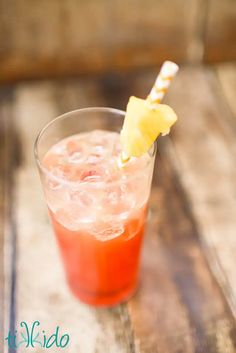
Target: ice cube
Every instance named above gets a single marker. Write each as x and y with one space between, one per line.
54 185
106 231
94 158
68 217
76 158
68 172
74 146
93 175
52 160
74 215
116 204
56 195
82 197
59 149
103 143
99 149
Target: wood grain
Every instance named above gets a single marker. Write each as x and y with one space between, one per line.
2 216
203 153
180 306
220 31
7 240
94 36
227 79
175 310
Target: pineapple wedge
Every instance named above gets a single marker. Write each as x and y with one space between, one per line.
143 124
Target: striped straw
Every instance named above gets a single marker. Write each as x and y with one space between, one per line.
167 73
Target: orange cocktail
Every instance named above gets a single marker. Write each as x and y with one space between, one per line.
98 207
102 272
96 167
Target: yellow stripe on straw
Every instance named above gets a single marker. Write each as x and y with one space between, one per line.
166 75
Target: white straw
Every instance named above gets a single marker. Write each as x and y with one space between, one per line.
166 74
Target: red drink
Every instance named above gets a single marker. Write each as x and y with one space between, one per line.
98 211
102 272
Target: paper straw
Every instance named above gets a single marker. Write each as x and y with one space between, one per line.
166 74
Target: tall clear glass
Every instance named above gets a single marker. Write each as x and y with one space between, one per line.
98 220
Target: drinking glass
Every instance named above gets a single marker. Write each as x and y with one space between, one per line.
99 225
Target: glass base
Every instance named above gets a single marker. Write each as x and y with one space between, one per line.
104 300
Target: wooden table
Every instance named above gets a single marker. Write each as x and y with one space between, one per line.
186 301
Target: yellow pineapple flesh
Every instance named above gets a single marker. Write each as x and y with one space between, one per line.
143 124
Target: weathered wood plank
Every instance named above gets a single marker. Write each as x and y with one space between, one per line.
203 154
205 150
180 307
7 247
220 31
96 36
227 77
42 293
2 216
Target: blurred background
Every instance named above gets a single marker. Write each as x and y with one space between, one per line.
60 55
55 38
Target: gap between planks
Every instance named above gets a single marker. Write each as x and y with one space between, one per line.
8 245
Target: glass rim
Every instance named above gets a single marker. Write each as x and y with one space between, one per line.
79 183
